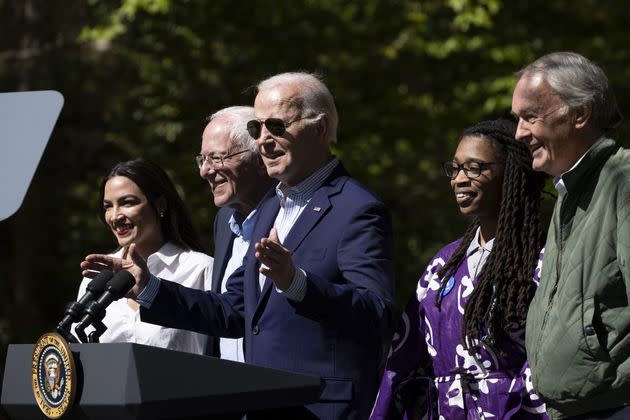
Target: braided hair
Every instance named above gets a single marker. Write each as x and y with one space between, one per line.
504 289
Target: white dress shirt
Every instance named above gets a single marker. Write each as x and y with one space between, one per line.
171 262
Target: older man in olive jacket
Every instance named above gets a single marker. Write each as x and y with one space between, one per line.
578 325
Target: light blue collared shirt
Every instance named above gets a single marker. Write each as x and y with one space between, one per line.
232 348
293 201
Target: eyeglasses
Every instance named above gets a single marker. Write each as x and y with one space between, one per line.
216 162
472 169
276 126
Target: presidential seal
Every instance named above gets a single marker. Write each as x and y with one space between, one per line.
53 374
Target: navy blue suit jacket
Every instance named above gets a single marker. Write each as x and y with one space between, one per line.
343 241
223 240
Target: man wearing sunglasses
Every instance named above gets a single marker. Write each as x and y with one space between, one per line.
238 180
323 253
315 292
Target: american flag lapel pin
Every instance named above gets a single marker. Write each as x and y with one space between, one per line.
317 208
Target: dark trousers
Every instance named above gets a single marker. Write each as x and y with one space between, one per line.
617 413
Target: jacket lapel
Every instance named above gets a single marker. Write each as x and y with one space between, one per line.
311 215
266 218
223 240
221 252
313 212
316 208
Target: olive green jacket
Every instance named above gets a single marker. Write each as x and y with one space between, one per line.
578 325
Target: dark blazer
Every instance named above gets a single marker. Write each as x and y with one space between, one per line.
223 240
343 241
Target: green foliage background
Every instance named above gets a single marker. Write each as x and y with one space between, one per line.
140 76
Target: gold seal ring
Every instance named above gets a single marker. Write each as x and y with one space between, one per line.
53 375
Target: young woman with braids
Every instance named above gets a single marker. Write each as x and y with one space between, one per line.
458 352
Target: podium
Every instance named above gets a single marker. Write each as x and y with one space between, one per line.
133 381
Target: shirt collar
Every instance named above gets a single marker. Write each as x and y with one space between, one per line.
476 247
242 226
558 181
167 253
305 189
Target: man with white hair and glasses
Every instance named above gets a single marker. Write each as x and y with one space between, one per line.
229 162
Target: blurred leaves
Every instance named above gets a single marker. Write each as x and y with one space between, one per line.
140 76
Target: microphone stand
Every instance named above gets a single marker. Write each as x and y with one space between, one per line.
99 329
67 335
73 311
97 315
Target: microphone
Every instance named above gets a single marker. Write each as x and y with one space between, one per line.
117 287
74 310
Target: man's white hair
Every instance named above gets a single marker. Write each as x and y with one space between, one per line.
313 97
237 118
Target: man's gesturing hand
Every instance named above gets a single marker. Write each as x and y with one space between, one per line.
276 261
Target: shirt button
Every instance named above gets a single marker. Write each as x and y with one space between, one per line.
255 330
589 330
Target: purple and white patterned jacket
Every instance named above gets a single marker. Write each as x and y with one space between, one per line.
428 367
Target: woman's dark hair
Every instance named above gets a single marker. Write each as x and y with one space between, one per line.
505 284
176 223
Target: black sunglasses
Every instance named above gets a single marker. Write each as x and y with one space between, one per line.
276 126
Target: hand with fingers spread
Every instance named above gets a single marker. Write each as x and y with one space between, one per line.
276 261
133 263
